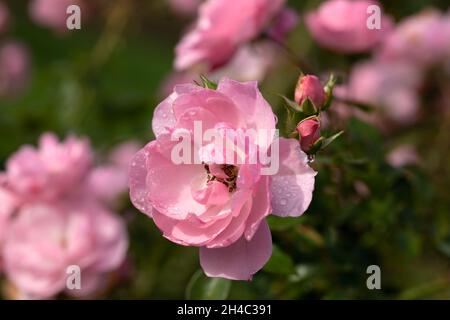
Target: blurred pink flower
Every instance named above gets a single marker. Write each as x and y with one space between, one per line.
422 39
222 26
52 13
4 17
123 153
309 132
403 155
341 25
107 182
251 62
309 87
219 207
14 68
51 219
286 20
391 87
45 239
185 7
50 171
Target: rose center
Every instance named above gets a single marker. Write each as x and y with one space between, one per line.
229 170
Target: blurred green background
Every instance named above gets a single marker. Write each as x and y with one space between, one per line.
104 81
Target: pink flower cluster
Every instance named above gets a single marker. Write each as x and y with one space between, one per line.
54 214
391 80
220 206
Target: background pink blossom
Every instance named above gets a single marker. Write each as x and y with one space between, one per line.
341 25
222 26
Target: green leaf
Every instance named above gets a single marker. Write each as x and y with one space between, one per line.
316 146
201 287
280 262
308 108
208 83
326 142
292 105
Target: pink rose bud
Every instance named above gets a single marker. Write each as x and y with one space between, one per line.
309 87
309 132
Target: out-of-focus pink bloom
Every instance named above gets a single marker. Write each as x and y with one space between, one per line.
286 20
222 26
45 239
185 7
219 207
390 86
122 154
53 13
251 62
50 171
4 17
422 39
109 181
402 156
14 68
309 87
309 132
341 25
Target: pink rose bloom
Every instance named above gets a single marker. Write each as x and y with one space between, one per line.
422 39
107 182
4 17
219 205
222 26
341 25
185 7
14 68
45 239
286 20
52 13
53 169
392 87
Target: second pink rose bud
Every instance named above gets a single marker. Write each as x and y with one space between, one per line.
309 132
309 87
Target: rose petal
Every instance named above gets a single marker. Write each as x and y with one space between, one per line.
291 188
241 260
